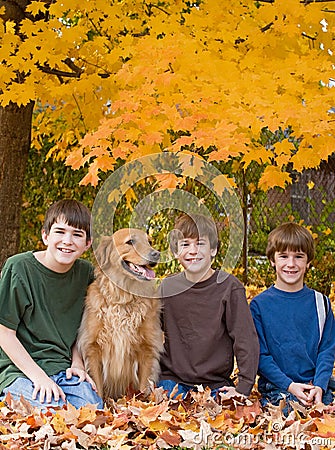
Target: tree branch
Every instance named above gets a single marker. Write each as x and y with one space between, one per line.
306 2
58 73
267 27
308 37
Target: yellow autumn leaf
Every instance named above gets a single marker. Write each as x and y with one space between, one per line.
114 196
192 164
259 154
284 147
10 27
59 424
273 176
327 231
305 157
221 184
310 185
130 196
36 7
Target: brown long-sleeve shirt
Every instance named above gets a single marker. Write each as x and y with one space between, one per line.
206 324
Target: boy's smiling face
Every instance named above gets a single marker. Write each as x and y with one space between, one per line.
290 268
65 244
195 255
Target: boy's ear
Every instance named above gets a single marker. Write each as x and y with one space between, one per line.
44 237
175 254
213 252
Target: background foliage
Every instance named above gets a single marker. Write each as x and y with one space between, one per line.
49 181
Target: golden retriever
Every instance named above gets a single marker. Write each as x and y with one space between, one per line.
120 337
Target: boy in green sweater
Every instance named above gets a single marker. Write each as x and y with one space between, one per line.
41 301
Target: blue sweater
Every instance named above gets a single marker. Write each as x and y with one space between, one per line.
288 331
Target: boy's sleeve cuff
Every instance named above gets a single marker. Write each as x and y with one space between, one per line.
244 388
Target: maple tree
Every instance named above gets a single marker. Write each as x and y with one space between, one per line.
110 81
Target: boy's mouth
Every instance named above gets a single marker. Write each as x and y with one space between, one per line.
65 250
194 259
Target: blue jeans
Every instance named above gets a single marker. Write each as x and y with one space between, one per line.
77 393
183 389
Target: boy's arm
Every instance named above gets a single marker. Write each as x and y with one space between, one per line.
246 348
23 361
267 365
326 353
78 368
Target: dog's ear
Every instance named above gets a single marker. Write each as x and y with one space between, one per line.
104 250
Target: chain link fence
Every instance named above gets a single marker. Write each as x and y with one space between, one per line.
310 199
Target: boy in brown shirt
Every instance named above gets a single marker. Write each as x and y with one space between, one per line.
206 317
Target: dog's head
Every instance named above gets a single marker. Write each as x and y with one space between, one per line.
128 249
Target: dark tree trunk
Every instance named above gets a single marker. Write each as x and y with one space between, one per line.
15 140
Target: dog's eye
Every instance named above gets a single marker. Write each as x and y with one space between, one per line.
130 242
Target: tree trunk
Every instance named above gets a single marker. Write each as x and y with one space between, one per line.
15 140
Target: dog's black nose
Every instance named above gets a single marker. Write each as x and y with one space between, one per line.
154 255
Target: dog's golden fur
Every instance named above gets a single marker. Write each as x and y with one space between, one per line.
120 337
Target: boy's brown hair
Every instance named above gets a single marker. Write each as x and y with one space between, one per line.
292 237
193 226
74 213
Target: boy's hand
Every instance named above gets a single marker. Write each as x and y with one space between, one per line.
315 395
47 389
82 374
231 391
303 392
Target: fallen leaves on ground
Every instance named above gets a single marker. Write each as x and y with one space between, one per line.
159 422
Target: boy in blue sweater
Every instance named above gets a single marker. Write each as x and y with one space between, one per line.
296 331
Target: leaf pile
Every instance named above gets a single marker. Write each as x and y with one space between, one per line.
196 422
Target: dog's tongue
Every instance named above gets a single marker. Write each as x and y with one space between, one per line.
150 274
144 271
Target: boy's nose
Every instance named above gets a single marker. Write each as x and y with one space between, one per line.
290 262
193 248
67 238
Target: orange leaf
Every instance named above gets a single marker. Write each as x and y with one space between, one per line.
151 413
249 413
326 426
167 180
171 437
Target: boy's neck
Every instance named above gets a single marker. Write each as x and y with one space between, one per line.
288 288
49 263
198 278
